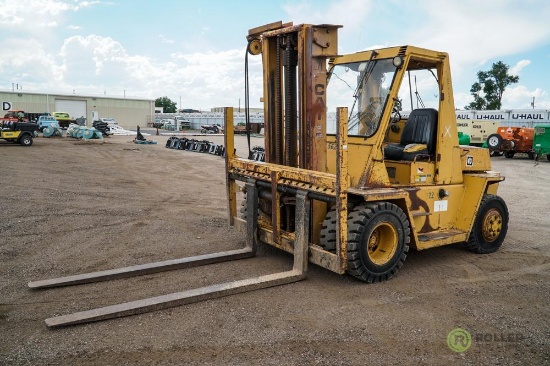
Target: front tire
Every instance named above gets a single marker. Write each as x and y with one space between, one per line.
378 241
328 231
509 154
26 140
490 225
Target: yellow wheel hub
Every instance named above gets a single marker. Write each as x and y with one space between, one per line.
492 225
382 244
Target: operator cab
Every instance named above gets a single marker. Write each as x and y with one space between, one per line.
375 89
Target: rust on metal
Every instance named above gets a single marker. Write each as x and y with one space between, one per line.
254 32
229 143
251 215
375 194
342 185
246 167
275 210
285 30
324 259
416 204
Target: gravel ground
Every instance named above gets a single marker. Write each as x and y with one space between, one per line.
70 207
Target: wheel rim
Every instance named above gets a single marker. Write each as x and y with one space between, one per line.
492 142
382 244
492 225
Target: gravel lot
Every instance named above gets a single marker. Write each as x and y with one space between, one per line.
70 207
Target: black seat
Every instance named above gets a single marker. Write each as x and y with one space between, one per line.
418 136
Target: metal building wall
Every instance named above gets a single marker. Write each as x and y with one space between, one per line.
27 102
129 112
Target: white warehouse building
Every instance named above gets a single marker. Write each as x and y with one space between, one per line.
128 112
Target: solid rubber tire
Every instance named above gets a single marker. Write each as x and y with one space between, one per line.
476 243
328 231
363 220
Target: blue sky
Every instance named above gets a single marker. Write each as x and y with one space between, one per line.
193 51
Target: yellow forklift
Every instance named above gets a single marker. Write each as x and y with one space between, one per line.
350 194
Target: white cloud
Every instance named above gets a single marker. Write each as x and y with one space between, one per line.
472 31
350 13
50 24
520 97
94 64
164 39
25 12
92 60
516 69
38 19
33 64
462 99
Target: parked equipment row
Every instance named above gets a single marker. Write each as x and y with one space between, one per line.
83 132
202 146
535 142
257 153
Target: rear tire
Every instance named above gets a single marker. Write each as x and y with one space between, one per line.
531 155
548 157
490 225
378 241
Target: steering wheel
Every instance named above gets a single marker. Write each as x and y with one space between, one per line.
395 115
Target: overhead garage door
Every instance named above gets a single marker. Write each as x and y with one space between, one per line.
75 108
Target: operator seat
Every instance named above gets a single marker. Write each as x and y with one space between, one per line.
418 137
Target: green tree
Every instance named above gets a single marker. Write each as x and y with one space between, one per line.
168 105
490 86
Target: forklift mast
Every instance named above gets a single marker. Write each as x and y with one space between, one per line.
295 80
